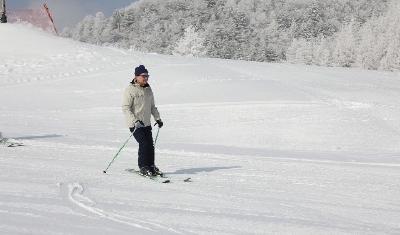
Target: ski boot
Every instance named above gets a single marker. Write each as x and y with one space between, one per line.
156 171
147 172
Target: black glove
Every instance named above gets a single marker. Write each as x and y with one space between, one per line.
159 123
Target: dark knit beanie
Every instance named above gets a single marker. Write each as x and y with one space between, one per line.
139 70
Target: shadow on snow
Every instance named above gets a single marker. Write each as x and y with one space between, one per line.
36 137
200 169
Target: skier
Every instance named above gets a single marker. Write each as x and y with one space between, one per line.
138 106
3 16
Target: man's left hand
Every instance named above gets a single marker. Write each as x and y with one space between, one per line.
159 123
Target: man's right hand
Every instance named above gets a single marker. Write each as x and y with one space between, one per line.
139 124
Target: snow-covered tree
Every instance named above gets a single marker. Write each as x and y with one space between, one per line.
391 57
300 52
190 44
344 53
322 51
335 32
99 23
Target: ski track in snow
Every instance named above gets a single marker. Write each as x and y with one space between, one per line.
23 79
74 192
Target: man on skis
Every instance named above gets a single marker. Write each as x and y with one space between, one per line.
138 106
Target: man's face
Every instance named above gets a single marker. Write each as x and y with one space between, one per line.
142 79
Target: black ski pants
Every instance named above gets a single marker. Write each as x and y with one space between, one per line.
146 147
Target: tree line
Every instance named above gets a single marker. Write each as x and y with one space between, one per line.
349 33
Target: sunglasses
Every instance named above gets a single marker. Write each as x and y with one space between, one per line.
144 75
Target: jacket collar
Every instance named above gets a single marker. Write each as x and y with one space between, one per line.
137 85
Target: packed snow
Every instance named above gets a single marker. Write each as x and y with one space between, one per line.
270 148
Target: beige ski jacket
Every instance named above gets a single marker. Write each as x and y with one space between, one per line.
138 105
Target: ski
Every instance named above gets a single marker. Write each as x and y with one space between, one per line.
159 178
187 180
10 143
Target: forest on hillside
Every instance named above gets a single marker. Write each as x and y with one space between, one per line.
348 33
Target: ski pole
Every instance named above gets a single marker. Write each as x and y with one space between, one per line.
155 140
105 171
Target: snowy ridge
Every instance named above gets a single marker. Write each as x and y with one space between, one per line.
271 148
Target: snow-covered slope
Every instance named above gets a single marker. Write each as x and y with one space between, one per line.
271 148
